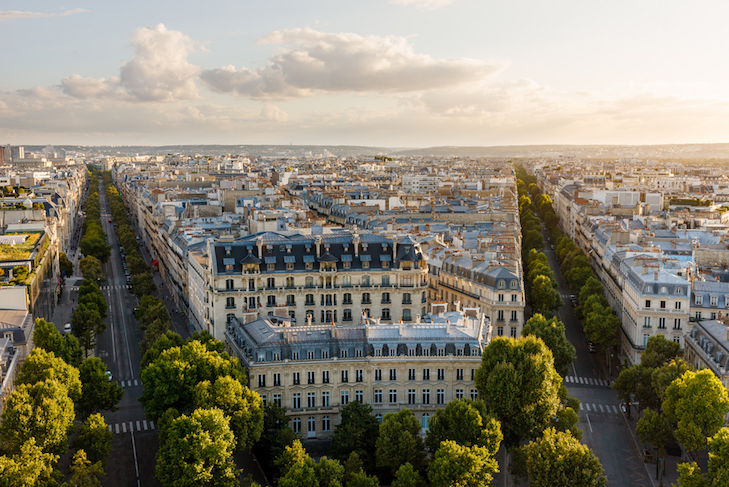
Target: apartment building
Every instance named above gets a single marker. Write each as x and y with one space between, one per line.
332 278
314 371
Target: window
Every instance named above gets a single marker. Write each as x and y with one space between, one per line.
290 281
359 375
344 398
441 374
297 401
326 424
440 396
251 284
296 425
311 400
426 396
647 322
406 316
474 394
699 299
501 297
406 299
677 323
309 300
678 304
459 374
347 299
661 323
473 374
513 298
647 303
426 352
501 284
677 339
230 303
271 282
663 305
359 396
297 375
392 351
325 377
347 315
385 280
513 315
261 380
698 315
365 280
345 376
424 421
276 380
713 300
411 396
346 280
309 266
426 374
271 301
385 313
310 355
500 331
365 265
366 298
229 284
385 298
713 316
423 298
309 282
325 354
459 394
358 353
393 396
378 396
645 339
393 374
378 374
411 374
311 424
229 317
500 315
664 289
277 399
513 332
290 300
325 399
342 354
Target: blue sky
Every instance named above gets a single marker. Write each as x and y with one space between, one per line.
398 73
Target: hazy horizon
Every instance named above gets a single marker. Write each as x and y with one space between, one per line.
383 73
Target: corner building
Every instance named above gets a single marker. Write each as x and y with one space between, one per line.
314 371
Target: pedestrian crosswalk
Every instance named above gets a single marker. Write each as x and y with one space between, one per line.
131 427
571 379
129 383
108 288
589 407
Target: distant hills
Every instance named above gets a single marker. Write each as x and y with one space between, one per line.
668 151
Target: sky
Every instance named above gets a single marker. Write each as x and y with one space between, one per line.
387 73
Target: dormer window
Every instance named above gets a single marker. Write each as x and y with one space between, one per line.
514 284
713 299
699 299
664 290
501 284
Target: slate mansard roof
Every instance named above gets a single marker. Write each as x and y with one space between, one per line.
337 248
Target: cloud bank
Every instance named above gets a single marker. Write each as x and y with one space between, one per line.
8 15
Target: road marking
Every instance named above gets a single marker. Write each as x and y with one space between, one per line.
151 425
588 422
110 430
594 408
135 382
139 428
116 427
587 406
615 410
582 381
601 409
144 423
124 427
581 408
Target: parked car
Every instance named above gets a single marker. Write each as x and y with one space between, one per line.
573 299
109 220
67 327
591 347
108 375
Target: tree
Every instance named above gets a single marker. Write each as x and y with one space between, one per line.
697 403
66 347
601 325
718 473
98 392
635 384
168 340
143 284
545 297
654 428
558 460
407 476
197 450
577 276
90 268
552 333
30 466
659 351
329 473
276 436
87 324
467 423
94 300
361 479
169 381
65 265
357 432
243 407
41 365
518 383
399 441
291 456
94 438
85 473
152 332
96 247
462 466
42 411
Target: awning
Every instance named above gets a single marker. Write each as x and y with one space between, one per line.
154 262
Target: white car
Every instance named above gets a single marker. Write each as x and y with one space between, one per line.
67 328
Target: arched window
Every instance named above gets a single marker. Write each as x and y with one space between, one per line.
406 315
664 289
425 420
514 284
229 317
501 284
311 427
296 425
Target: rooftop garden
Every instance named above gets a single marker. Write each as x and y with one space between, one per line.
690 202
20 251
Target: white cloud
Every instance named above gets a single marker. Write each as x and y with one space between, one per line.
319 62
16 14
424 4
272 113
158 72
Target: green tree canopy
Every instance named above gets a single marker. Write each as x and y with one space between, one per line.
167 340
357 432
29 467
654 428
41 365
90 268
518 383
463 466
98 392
197 450
95 301
601 325
552 333
143 284
42 411
407 476
659 351
696 403
66 346
65 264
557 459
399 441
84 473
86 325
276 436
545 297
467 423
243 406
94 438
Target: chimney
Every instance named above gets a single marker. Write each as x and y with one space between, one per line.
318 246
655 276
355 244
645 269
259 244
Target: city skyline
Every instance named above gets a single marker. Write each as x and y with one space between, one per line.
398 73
